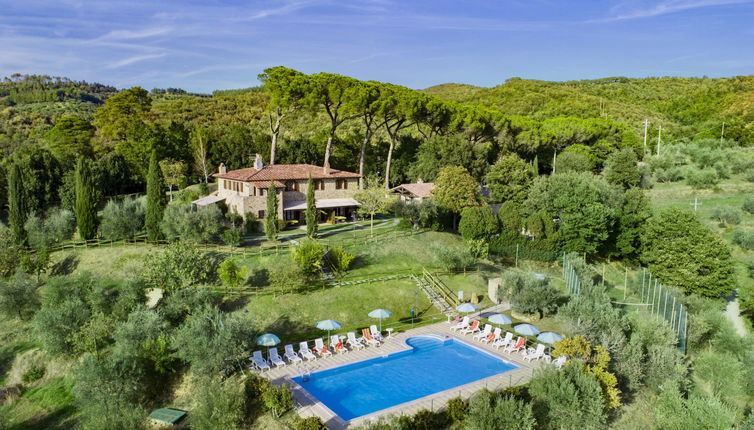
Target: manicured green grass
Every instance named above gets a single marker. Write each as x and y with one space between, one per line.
293 316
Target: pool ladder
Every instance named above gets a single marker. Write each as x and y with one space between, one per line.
306 374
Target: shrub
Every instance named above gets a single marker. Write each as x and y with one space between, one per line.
750 268
33 373
230 274
748 204
726 215
426 420
220 405
122 220
491 411
572 162
198 226
457 409
528 294
722 169
179 266
670 174
477 222
56 228
286 278
555 392
744 238
453 258
702 178
311 423
478 248
277 399
232 237
251 223
308 256
749 176
340 259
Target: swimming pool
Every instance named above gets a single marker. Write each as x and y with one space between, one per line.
430 366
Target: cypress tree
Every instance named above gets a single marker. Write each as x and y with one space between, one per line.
311 210
86 200
156 199
271 216
17 204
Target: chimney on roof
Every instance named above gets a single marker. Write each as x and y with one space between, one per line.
221 169
258 162
326 168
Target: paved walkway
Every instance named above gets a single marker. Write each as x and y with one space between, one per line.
733 313
310 406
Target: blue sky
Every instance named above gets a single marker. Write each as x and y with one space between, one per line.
214 44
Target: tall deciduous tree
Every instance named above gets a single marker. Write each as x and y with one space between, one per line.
585 205
621 169
156 200
70 138
201 149
286 88
311 210
509 179
332 92
455 190
271 215
680 251
634 214
174 172
372 199
120 111
18 209
86 201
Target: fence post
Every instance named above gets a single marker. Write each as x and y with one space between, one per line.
516 255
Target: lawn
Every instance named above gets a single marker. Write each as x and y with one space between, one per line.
293 316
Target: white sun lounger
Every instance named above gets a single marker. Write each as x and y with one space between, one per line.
503 341
275 359
258 361
355 343
471 329
322 350
291 355
305 352
334 341
559 362
461 325
535 354
483 334
375 333
497 332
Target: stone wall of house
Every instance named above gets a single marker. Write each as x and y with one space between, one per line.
242 202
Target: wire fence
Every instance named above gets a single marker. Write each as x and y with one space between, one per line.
652 296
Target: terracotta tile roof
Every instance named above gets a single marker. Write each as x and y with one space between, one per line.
266 184
282 172
421 189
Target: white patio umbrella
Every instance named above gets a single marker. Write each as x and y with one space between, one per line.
500 319
268 339
380 313
466 308
526 329
329 325
549 337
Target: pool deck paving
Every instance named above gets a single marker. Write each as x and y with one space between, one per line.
307 405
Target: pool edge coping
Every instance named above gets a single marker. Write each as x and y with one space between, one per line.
315 402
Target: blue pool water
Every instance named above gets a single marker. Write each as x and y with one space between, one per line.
430 366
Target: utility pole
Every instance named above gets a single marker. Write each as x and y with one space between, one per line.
646 124
659 134
722 133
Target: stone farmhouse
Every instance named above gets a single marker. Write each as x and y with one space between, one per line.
417 191
245 190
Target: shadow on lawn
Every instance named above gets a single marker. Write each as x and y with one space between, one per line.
65 266
283 326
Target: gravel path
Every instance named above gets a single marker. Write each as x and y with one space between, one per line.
732 312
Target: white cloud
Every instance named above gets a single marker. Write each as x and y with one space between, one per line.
132 60
632 10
